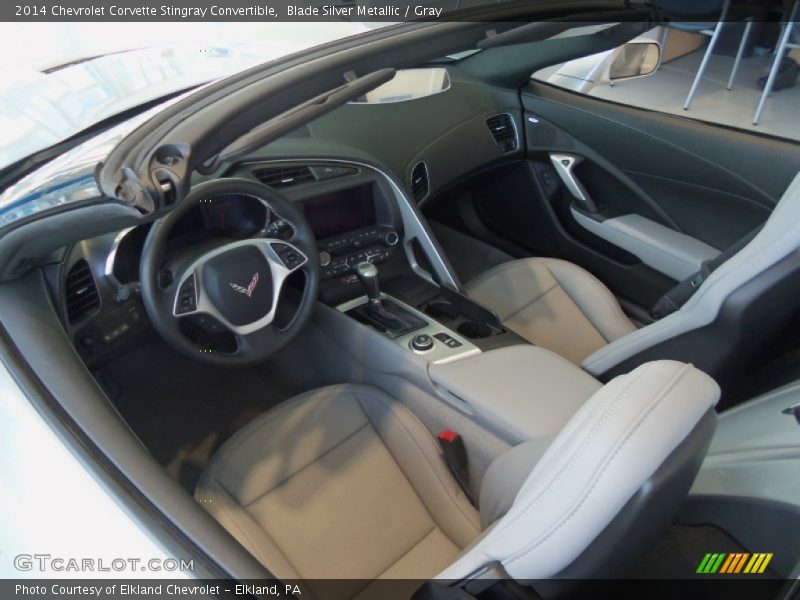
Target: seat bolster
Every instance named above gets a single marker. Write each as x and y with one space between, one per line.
238 522
506 475
593 298
605 453
419 457
777 239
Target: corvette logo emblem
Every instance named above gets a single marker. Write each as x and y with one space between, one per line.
247 291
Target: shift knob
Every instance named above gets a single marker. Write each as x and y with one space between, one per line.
367 274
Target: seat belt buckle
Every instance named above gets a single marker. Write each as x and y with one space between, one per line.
455 455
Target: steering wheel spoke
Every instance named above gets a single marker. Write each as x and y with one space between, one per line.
286 255
260 338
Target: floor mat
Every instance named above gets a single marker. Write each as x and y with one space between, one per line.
469 256
183 410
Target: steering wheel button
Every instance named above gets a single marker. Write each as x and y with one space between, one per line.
288 255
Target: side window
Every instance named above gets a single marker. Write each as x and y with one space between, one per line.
746 76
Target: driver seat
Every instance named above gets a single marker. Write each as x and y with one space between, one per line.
344 482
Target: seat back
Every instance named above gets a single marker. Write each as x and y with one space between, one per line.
648 427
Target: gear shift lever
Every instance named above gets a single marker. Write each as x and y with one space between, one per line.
367 274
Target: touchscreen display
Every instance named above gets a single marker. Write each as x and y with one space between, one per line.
340 212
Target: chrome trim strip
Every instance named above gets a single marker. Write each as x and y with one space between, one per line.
108 270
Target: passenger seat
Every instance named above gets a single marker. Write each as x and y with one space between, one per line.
554 304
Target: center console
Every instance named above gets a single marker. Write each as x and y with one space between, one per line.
391 306
425 337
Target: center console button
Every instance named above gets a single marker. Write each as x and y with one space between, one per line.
447 340
422 342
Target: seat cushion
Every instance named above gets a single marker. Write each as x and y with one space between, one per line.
340 483
553 304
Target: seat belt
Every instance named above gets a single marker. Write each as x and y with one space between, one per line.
455 455
679 295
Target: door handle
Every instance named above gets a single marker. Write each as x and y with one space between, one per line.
565 165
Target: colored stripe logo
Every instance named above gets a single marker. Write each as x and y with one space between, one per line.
734 563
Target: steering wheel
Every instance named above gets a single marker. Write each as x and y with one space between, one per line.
236 287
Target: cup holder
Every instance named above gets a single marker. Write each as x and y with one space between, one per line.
442 309
474 330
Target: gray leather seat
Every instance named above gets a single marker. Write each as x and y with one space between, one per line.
346 483
554 304
342 482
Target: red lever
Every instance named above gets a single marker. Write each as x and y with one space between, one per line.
448 436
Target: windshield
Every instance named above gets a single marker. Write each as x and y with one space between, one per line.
88 72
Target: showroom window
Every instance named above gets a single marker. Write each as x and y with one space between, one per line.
692 70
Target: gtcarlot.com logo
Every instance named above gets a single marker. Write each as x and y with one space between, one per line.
734 563
45 563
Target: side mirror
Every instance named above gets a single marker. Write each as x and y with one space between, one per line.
635 59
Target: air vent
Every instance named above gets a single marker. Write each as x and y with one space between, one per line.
503 131
80 292
419 181
279 177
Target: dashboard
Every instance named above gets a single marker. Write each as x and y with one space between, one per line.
375 165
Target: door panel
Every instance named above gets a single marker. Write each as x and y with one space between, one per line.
733 161
669 192
733 216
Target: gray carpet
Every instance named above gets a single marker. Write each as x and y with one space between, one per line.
183 410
